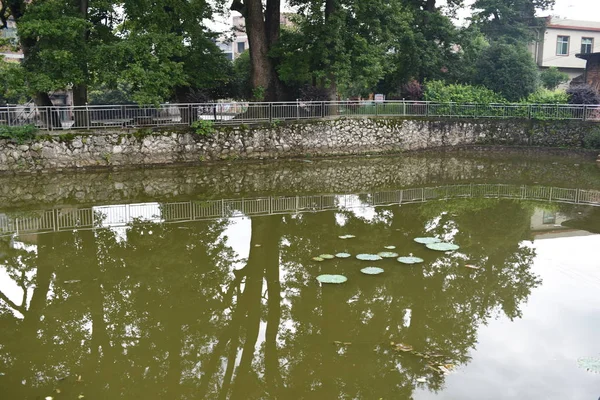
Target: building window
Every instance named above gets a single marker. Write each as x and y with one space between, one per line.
241 47
587 45
562 46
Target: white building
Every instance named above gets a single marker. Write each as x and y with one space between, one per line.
561 40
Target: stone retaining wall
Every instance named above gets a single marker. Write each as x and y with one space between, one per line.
342 136
298 177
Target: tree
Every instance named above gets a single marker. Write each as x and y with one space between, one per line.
262 27
507 69
552 77
513 20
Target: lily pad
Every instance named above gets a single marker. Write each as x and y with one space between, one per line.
427 240
387 254
372 271
589 364
369 257
318 259
346 236
343 255
410 260
332 278
327 256
389 247
442 246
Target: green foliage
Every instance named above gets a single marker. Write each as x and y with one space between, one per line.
18 134
13 89
258 93
507 69
104 95
509 20
592 140
546 96
440 92
552 77
203 127
242 77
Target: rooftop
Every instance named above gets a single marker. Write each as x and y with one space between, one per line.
573 24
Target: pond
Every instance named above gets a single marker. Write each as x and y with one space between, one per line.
201 283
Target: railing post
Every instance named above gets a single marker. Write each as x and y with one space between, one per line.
190 108
376 109
529 113
87 116
270 113
427 109
50 119
584 112
322 109
403 108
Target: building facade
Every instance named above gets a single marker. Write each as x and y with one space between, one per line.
560 41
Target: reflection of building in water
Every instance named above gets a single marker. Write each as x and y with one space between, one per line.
547 224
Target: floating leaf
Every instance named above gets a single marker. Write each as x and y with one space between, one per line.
327 256
387 254
80 396
410 260
427 240
472 266
402 347
368 257
343 255
589 364
389 247
318 259
332 278
372 271
442 246
257 245
73 281
422 380
346 236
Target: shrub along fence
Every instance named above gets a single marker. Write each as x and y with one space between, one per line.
97 117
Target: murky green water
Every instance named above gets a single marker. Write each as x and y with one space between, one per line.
199 283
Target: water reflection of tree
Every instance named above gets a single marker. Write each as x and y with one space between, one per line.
164 315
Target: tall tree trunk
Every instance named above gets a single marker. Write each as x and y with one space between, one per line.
262 29
331 8
80 90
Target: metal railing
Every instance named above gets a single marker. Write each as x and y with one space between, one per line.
126 116
67 219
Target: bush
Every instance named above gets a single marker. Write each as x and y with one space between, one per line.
314 93
440 92
592 140
545 96
203 127
552 77
412 90
18 134
583 94
508 69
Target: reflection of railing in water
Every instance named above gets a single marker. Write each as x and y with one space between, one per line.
120 215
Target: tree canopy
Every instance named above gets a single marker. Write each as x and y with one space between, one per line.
165 50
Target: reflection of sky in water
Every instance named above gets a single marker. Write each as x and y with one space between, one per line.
560 323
